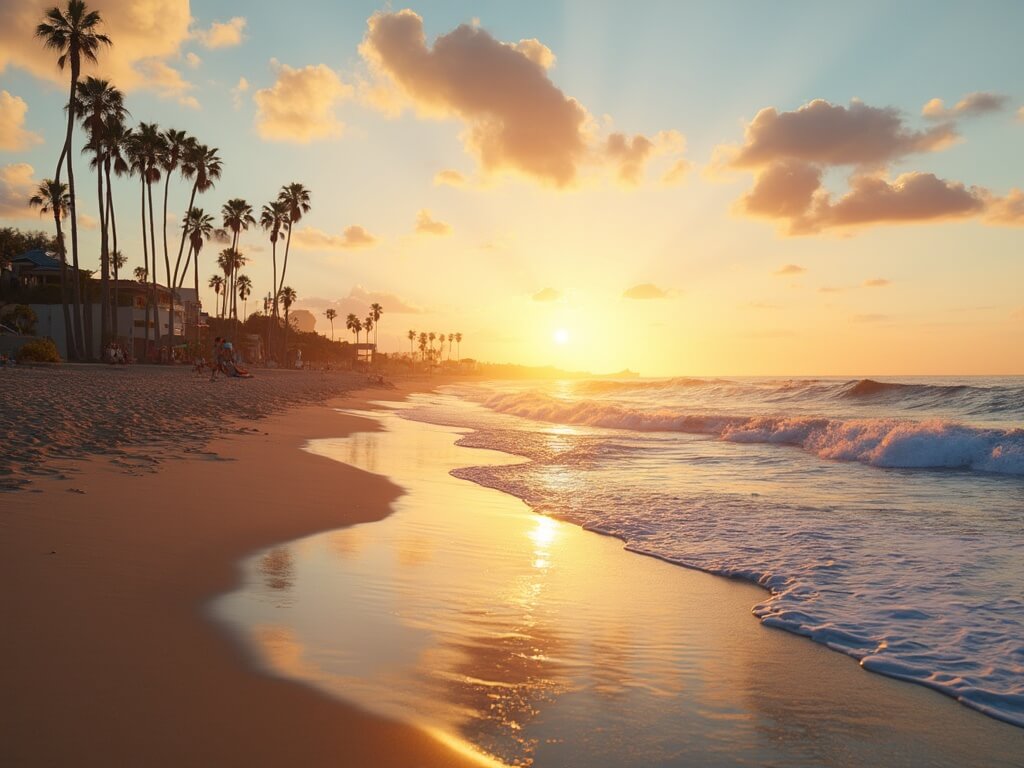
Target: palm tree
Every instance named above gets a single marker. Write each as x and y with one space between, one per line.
368 326
431 337
376 310
353 324
451 338
423 346
244 287
51 197
273 216
144 156
97 102
330 314
295 198
230 261
237 215
217 283
73 34
201 164
175 145
115 138
141 276
198 227
412 337
458 348
287 297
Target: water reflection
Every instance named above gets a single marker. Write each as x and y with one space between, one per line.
538 643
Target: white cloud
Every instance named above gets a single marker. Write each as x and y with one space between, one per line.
16 187
223 34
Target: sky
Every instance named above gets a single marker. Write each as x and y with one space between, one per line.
675 188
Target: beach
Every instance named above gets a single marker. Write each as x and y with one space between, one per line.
114 657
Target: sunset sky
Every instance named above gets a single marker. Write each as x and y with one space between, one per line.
758 188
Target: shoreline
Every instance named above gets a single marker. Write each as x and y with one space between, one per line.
111 657
136 562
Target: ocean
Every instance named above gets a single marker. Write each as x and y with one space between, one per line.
883 518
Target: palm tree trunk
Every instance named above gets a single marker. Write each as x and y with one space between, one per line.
270 335
170 280
64 287
152 250
145 264
104 258
76 284
113 231
196 274
181 246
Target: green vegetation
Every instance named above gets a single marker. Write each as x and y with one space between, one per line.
39 351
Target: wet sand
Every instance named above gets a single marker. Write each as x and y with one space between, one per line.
108 658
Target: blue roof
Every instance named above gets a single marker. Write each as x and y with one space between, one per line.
40 259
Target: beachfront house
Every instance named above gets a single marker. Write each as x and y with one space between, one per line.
33 278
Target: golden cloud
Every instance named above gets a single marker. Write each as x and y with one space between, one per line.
516 118
13 136
789 269
677 172
877 282
300 106
223 34
1006 210
146 33
359 300
547 294
312 239
645 291
978 103
16 187
427 225
450 178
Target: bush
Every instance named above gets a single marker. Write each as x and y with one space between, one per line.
39 351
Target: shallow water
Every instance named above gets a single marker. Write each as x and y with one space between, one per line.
885 518
529 640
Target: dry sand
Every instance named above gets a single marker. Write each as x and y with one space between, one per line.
107 658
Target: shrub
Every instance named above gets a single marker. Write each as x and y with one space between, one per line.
39 351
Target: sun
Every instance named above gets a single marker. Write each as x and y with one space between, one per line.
560 336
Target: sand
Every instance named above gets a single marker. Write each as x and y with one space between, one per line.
107 656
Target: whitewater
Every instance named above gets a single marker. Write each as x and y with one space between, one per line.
884 518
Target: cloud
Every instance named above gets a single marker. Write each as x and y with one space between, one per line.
831 134
450 178
193 60
300 106
359 299
630 155
426 225
145 33
312 239
789 269
547 294
240 88
677 172
1006 210
979 103
223 34
790 152
1020 114
516 119
645 291
13 136
16 187
877 282
85 221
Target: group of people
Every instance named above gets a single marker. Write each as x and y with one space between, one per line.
225 361
115 354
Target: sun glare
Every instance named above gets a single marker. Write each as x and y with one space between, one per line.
561 336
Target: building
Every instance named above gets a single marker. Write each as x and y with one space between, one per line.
34 278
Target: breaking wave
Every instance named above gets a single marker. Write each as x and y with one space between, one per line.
885 442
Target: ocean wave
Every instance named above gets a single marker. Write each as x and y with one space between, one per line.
892 443
613 386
